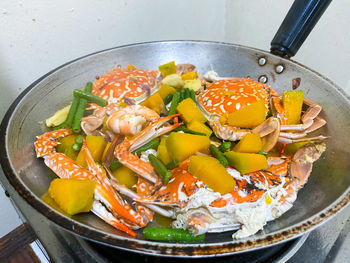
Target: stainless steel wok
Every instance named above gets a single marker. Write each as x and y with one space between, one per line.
323 196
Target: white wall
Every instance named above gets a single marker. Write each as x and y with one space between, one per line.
37 36
326 50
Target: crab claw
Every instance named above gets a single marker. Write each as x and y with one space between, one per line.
269 132
123 151
301 165
47 141
153 130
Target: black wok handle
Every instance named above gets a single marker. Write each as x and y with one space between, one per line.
300 20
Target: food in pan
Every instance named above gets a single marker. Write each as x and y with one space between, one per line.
212 154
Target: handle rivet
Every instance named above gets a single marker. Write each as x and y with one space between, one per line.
279 69
262 61
263 79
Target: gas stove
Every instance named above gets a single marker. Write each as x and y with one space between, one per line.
328 243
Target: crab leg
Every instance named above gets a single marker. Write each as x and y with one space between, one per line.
132 161
227 132
99 210
288 141
47 141
65 167
310 119
107 192
127 192
302 161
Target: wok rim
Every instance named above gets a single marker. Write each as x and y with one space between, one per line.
159 248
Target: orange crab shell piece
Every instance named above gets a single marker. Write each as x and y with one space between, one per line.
226 96
181 186
240 195
125 82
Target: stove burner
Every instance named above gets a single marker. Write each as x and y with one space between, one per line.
271 254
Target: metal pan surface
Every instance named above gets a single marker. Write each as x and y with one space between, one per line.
322 197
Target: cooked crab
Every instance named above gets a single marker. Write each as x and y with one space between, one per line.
228 95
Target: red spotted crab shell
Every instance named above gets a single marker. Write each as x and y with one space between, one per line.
135 84
226 96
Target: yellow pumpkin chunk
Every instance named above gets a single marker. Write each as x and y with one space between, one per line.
212 173
155 102
249 116
96 146
293 147
162 220
131 67
105 151
162 151
47 199
125 176
199 127
251 143
182 145
165 90
193 84
292 104
167 69
189 111
73 196
174 80
189 75
65 146
246 162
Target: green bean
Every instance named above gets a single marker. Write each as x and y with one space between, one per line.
263 153
186 130
174 103
218 155
90 97
170 234
187 93
193 95
72 111
80 110
160 168
225 146
168 98
88 87
78 143
61 126
115 164
173 164
152 144
182 94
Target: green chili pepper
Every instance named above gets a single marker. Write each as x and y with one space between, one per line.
170 234
218 155
90 97
152 144
160 168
